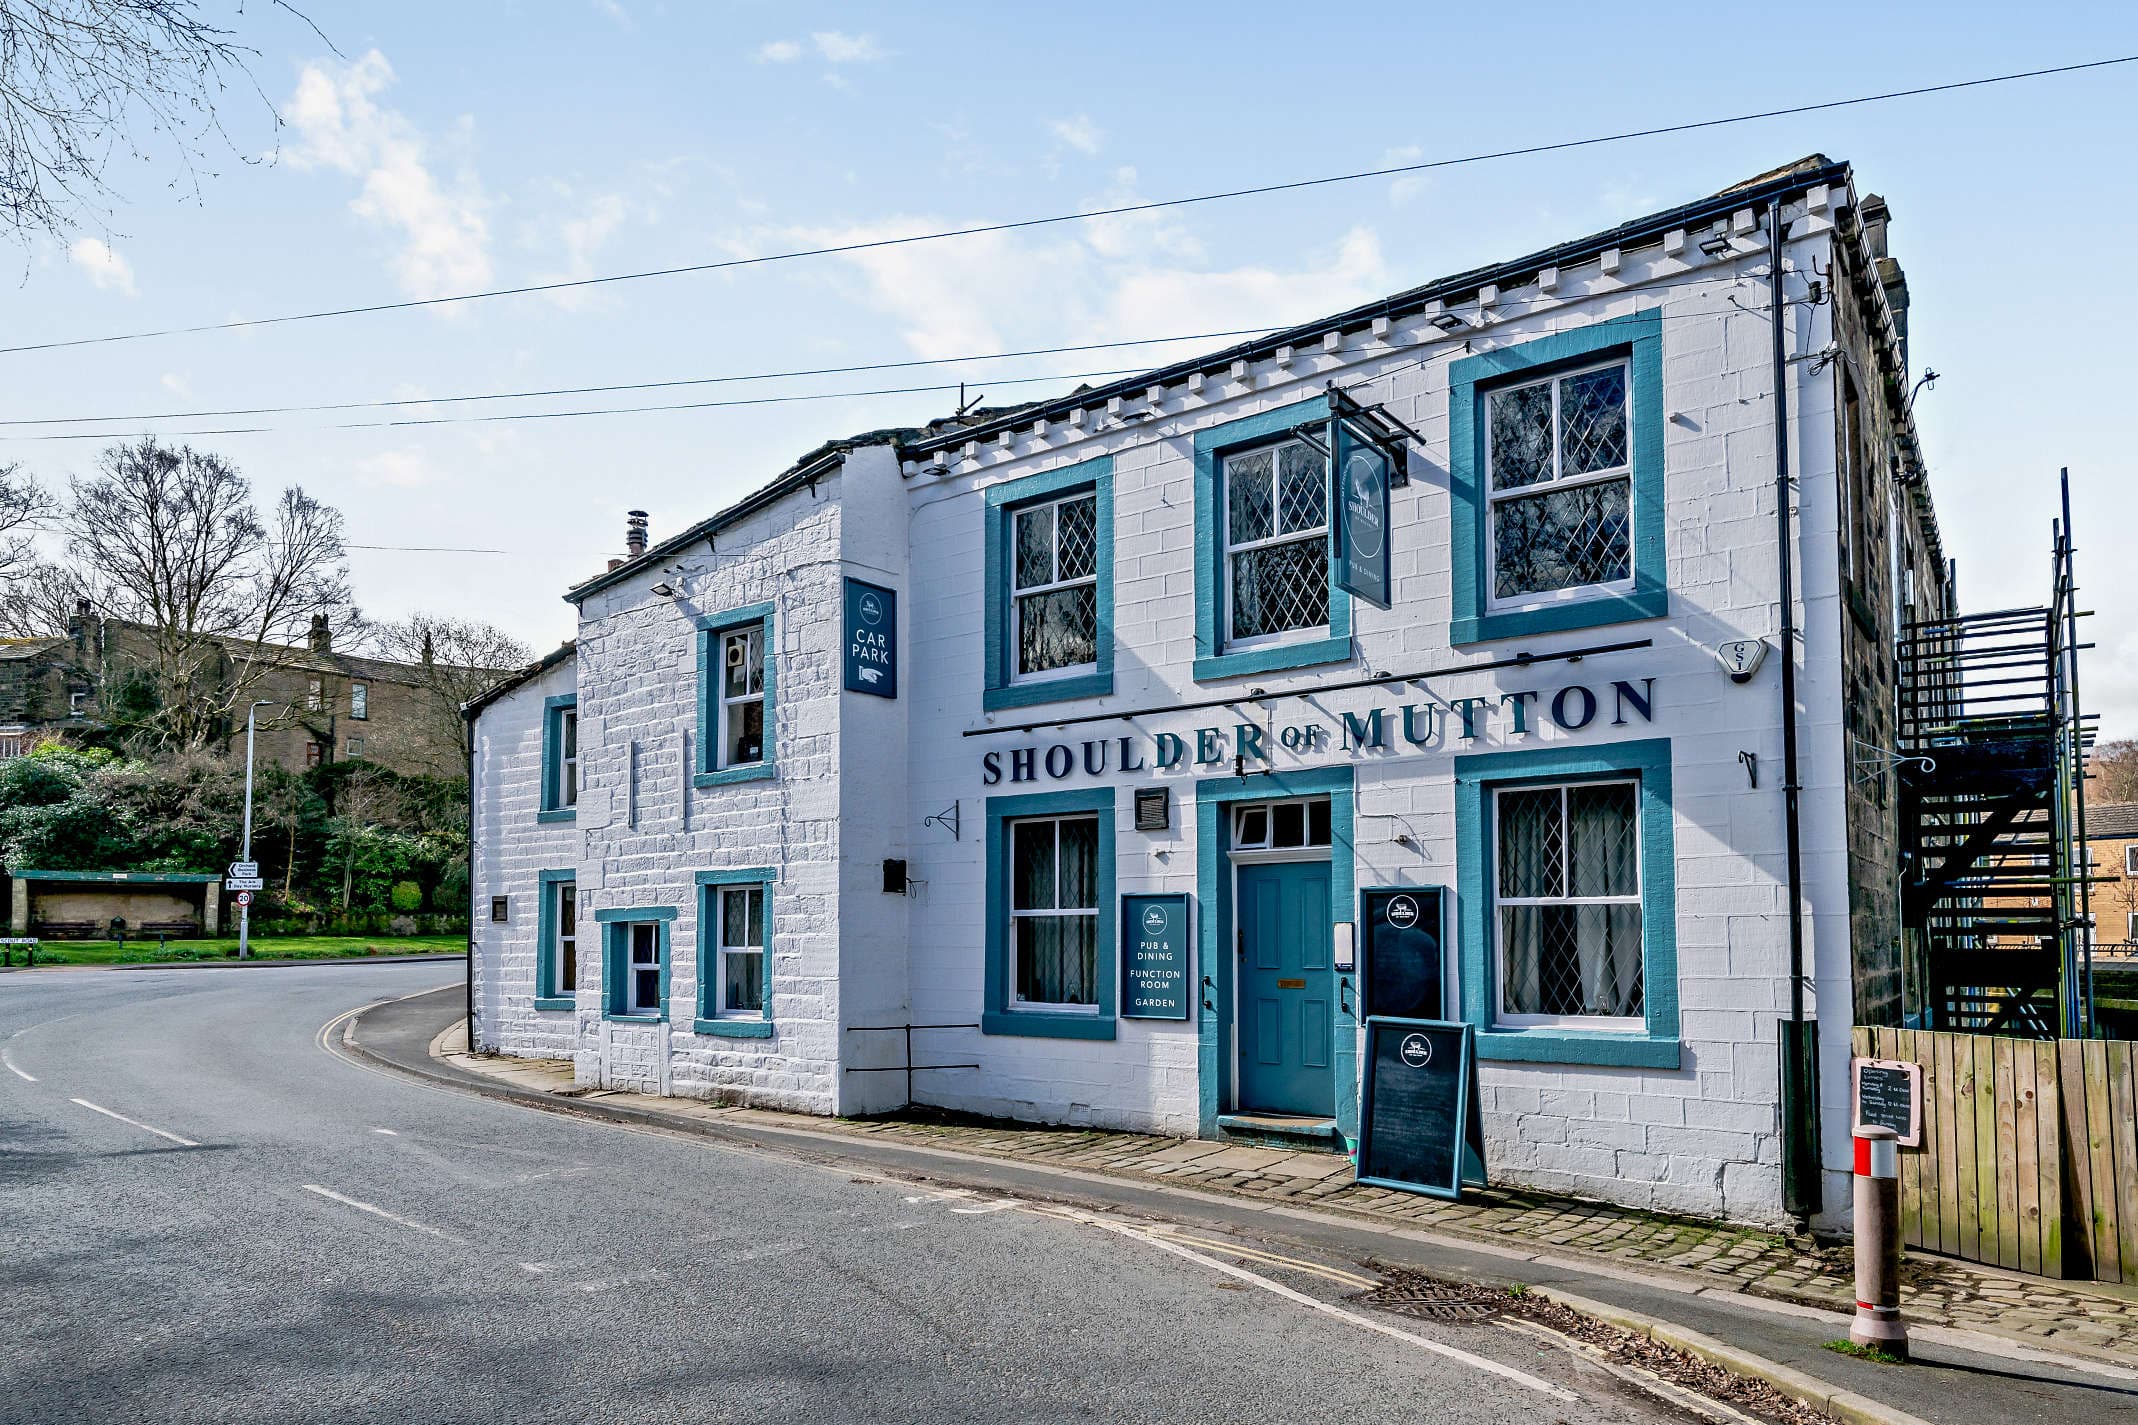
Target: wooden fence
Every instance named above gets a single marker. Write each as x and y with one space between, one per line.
2030 1151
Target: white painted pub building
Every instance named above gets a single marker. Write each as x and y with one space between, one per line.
869 763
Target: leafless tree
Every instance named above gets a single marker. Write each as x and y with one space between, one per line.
171 544
457 658
84 82
2115 769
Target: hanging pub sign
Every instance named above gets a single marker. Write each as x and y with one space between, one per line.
1405 966
1362 472
871 639
1156 951
1419 1129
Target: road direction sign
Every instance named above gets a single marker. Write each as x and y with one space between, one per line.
244 883
240 870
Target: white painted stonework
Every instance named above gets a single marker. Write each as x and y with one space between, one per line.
855 776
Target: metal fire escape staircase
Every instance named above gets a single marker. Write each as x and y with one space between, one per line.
1994 873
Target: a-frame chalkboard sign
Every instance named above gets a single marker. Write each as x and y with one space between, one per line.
1418 1124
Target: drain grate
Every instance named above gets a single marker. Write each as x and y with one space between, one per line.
1408 1293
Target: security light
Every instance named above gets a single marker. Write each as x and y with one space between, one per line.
665 589
1716 244
1448 321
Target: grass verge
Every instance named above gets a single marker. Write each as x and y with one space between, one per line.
225 948
1864 1353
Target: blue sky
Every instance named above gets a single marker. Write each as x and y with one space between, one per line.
452 147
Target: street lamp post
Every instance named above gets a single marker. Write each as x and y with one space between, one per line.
245 855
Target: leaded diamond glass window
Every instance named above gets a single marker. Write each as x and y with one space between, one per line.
1568 902
1054 913
1277 541
1055 585
1559 457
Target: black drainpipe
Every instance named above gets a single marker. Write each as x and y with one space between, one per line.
468 717
1800 1103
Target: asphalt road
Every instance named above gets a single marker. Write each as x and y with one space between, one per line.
206 1215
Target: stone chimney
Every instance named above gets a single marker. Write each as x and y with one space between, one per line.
321 638
1876 217
78 625
634 533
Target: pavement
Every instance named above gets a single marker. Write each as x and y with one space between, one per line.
217 1203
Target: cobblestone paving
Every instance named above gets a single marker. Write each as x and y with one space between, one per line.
2097 1320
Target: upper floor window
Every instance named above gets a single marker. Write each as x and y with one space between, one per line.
1276 530
1559 485
742 696
315 696
1054 579
560 759
359 701
2130 860
1567 903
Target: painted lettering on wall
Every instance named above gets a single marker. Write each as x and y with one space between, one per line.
1381 731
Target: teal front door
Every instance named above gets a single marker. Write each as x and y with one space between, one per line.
1287 988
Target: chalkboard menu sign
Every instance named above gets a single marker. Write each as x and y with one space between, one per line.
1889 1094
1404 963
1416 1113
1156 951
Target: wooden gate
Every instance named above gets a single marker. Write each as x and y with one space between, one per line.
2030 1151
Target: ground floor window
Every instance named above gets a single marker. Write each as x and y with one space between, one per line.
1567 902
634 969
742 950
642 984
1054 912
564 941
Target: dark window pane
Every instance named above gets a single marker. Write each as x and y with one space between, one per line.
1032 865
1317 823
1602 851
1521 435
1302 490
1077 535
1080 863
1057 959
1531 843
1059 629
1247 494
1592 421
647 988
745 988
1254 827
746 732
1035 547
1288 824
1280 587
1562 539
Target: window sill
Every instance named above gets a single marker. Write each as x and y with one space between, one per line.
1048 1026
733 1028
1311 654
556 1001
1559 618
614 1018
1048 690
753 772
553 815
1579 1046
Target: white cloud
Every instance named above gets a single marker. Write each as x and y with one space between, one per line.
615 12
779 52
102 265
176 384
1079 133
446 237
404 469
592 223
837 48
1404 186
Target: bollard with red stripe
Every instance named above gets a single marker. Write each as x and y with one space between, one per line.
1878 1325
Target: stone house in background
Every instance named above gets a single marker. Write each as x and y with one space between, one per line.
327 706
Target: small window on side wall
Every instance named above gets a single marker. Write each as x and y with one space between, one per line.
741 712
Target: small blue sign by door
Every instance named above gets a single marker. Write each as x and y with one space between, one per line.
1362 476
1156 951
871 639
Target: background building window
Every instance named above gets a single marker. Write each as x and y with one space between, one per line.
742 950
1568 902
2130 860
742 696
1054 917
359 701
1054 585
77 704
1276 522
314 754
315 696
355 746
1560 483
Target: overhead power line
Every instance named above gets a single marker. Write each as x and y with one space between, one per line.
1119 210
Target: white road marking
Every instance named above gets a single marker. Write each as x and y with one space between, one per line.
132 1122
387 1131
26 1078
394 1218
1233 1249
536 1267
1300 1298
999 1205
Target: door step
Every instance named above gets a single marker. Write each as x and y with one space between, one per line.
1281 1130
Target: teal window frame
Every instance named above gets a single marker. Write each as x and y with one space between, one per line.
1217 1068
553 710
1212 445
1638 337
548 995
709 772
1002 689
708 1019
615 923
996 1017
1477 777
